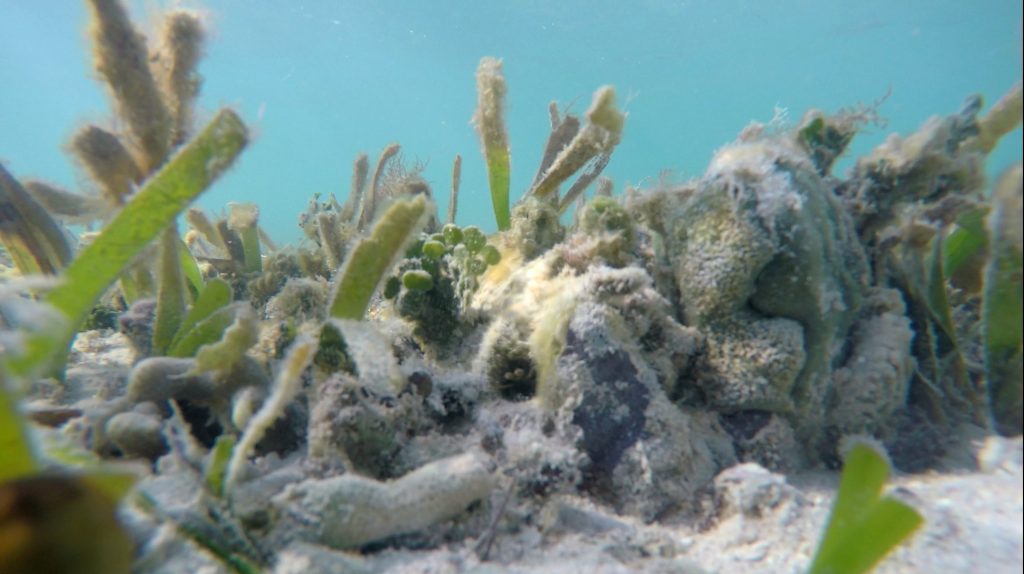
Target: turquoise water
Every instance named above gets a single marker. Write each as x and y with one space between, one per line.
321 81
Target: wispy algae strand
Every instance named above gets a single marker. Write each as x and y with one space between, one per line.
34 240
162 199
122 59
490 123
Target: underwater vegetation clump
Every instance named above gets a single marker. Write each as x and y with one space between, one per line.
399 382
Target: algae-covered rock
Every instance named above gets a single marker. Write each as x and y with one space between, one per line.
354 427
645 455
504 358
605 349
611 228
137 434
535 226
611 413
764 438
204 399
770 270
159 379
301 299
350 511
137 324
874 381
751 491
927 165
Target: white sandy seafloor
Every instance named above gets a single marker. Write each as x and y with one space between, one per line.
752 520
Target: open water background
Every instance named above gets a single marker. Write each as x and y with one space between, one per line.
322 80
